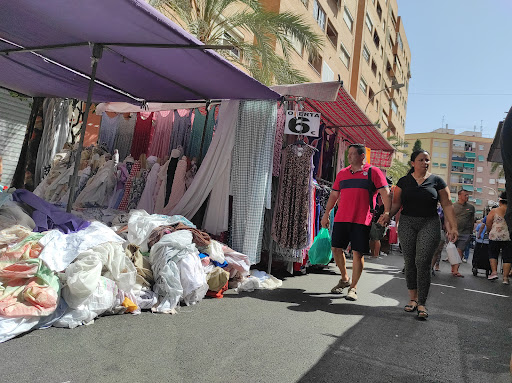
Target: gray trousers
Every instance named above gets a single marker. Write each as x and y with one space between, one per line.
420 238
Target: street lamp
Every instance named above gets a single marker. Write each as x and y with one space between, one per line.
394 86
490 188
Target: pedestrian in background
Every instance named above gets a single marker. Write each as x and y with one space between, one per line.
420 228
351 190
465 213
499 239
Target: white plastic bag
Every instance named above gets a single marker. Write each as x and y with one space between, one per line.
453 254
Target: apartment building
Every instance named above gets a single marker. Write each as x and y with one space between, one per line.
366 47
461 160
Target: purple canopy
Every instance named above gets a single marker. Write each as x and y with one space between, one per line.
149 73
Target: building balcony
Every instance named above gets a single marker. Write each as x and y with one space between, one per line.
462 159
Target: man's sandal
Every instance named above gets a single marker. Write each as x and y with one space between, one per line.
422 314
411 308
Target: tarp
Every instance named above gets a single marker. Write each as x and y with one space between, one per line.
148 73
495 150
343 113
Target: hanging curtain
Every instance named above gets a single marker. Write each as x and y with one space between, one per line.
250 174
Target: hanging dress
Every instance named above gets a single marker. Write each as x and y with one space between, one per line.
196 136
178 185
291 223
181 130
108 131
147 202
128 186
163 128
142 134
123 142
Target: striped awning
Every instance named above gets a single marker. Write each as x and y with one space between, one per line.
470 154
468 187
469 165
455 163
353 124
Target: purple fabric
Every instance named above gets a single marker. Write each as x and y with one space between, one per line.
148 73
48 216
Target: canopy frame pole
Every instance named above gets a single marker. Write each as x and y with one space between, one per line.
97 51
200 159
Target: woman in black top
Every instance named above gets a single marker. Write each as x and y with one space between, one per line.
420 229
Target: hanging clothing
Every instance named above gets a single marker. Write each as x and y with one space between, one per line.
278 143
124 137
181 130
214 174
161 184
291 223
196 136
138 184
178 185
250 171
163 128
146 200
171 170
142 134
55 134
99 189
123 205
108 131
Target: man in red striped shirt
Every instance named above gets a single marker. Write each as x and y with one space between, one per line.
352 222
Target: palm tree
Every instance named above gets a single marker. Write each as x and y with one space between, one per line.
216 22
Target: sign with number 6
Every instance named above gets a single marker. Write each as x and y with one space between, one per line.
302 123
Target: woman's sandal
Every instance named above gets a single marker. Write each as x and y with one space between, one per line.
411 308
422 314
459 275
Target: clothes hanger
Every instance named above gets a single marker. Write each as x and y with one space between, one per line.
300 142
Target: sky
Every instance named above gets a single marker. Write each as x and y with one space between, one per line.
461 63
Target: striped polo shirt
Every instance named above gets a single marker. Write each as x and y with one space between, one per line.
354 199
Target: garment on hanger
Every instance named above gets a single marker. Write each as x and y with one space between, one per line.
138 184
99 189
171 169
142 134
291 223
181 129
124 137
197 134
108 131
161 137
128 186
147 201
178 185
54 136
250 172
161 184
278 143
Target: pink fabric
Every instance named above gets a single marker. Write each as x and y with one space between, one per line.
178 185
162 135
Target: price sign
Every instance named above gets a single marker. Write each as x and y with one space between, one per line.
302 123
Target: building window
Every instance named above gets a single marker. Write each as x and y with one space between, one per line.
479 169
435 164
316 63
349 20
379 11
332 35
370 95
436 143
394 106
363 85
380 77
327 73
480 158
229 40
369 23
443 166
374 67
444 144
319 14
491 192
376 39
400 43
344 55
435 155
296 44
479 180
480 147
444 155
366 53
502 181
492 181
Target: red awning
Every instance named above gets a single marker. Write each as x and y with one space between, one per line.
351 122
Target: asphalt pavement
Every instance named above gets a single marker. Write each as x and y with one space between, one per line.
298 333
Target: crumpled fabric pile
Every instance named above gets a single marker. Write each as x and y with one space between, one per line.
57 269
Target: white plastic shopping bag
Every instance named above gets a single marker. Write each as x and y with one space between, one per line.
453 254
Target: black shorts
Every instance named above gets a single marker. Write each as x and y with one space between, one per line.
504 246
356 234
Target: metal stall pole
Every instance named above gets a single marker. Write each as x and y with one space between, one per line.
97 51
200 159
